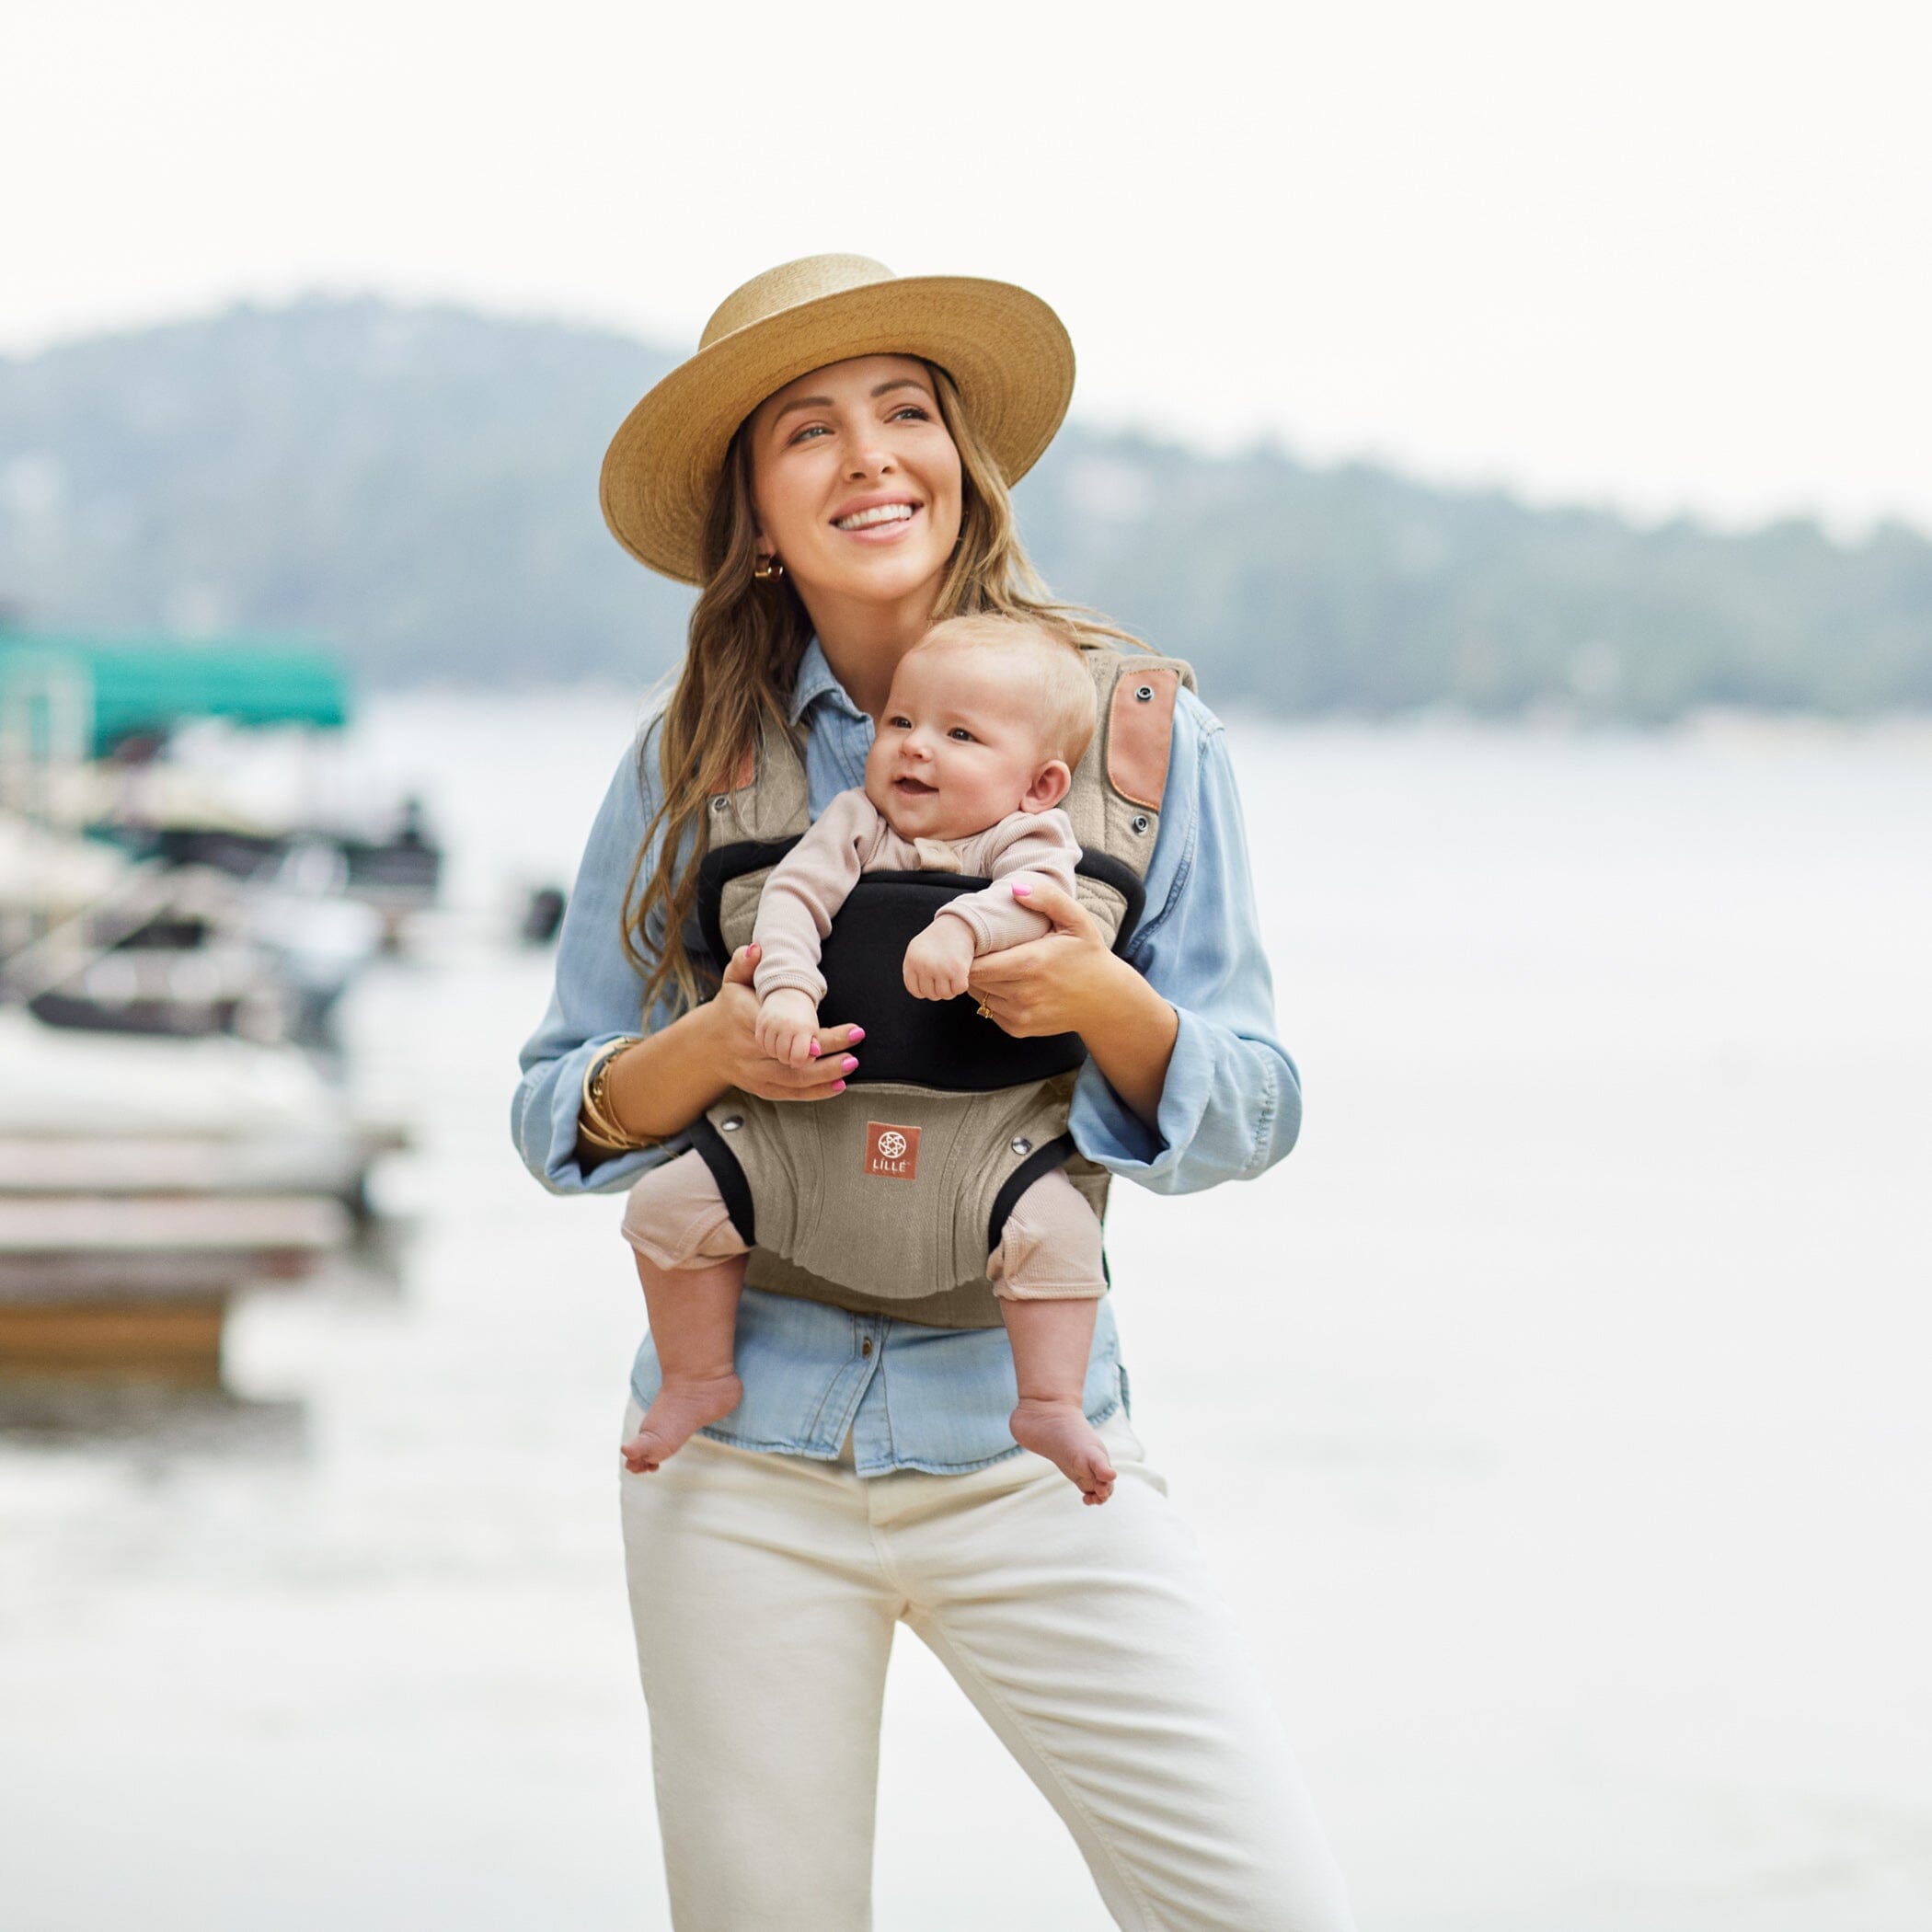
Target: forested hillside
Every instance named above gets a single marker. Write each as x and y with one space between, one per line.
419 488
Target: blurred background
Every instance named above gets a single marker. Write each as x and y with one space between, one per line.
1518 416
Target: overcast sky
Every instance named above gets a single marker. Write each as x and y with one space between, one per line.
1671 255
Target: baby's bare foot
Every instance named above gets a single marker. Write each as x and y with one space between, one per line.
1061 1433
683 1405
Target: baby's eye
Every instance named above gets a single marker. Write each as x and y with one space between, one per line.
960 734
899 724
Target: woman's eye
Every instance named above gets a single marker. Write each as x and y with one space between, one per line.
914 411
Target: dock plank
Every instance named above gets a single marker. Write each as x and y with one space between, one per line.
82 1224
151 1164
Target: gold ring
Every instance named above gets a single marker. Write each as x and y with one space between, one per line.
985 1011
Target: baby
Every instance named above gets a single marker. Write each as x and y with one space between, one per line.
974 751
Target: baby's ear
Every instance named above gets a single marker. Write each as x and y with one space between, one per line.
1051 783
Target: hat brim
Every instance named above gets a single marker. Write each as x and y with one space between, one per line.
1004 349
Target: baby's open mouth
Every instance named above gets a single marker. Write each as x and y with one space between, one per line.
913 789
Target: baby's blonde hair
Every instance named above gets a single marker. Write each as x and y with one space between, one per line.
1067 711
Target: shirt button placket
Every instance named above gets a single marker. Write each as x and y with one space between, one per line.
867 1331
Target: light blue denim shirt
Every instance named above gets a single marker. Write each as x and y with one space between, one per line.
910 1396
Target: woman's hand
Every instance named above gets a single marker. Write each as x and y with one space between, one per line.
1057 984
1071 981
734 1016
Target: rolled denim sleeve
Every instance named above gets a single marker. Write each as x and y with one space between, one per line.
595 999
1231 1106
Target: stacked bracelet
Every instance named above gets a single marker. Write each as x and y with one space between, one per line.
594 1119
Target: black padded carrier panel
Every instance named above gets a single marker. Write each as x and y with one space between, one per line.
939 1043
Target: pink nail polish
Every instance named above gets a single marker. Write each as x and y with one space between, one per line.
848 1065
859 1033
1021 892
840 1088
814 1050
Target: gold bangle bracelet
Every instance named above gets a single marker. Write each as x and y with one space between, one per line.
594 1119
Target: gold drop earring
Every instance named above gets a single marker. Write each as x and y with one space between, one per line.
767 569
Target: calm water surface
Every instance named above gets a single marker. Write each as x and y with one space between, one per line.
1555 1417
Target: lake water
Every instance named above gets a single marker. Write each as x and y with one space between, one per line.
1556 1415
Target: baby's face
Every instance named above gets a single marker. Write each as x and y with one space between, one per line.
959 745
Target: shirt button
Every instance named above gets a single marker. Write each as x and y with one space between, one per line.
865 1348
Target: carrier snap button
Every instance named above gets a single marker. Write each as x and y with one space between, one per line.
1139 821
720 803
732 1122
1019 1145
1145 694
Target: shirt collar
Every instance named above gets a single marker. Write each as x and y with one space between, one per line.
816 679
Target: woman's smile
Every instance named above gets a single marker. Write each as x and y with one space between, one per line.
877 517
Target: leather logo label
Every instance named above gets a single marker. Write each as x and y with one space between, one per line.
891 1153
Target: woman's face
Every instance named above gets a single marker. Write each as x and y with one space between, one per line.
856 482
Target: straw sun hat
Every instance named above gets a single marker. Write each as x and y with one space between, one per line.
1008 351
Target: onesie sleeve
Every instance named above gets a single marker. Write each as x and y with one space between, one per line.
805 891
1039 844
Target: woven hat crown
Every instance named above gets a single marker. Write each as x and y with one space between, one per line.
786 286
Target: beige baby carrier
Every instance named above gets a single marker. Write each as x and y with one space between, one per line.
888 1198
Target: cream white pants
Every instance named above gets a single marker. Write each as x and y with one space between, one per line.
764 1590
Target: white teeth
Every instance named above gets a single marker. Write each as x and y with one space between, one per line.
884 513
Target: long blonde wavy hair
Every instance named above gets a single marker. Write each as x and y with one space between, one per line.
747 640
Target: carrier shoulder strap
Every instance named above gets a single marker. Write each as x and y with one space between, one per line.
1119 787
769 799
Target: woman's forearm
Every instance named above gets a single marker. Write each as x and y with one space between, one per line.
1130 1031
660 1086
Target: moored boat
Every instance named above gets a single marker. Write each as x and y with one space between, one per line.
175 1123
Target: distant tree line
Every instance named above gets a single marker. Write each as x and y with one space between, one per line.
418 487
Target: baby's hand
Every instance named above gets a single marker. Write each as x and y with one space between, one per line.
938 960
787 1020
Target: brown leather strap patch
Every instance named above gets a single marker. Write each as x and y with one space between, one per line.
1140 731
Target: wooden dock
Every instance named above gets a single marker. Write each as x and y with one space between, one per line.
135 1284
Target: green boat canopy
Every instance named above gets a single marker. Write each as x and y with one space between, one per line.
115 688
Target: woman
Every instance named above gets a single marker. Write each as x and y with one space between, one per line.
832 468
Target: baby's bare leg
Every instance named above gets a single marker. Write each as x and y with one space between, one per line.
693 1320
1051 1343
691 1265
1047 1273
